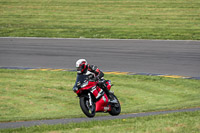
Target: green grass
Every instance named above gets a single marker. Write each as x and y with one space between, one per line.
187 122
123 19
34 95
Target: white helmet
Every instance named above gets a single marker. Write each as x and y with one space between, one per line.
81 66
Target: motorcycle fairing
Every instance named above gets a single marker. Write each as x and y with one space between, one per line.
101 97
97 92
84 83
102 104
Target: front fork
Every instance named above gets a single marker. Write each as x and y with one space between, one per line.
90 99
91 106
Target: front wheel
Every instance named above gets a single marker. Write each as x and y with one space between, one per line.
87 108
115 107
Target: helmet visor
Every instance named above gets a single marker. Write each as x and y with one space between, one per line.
79 69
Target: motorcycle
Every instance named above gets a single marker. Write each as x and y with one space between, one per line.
93 99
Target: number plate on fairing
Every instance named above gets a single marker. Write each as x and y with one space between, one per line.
106 108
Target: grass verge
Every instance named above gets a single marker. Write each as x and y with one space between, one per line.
34 95
186 122
123 19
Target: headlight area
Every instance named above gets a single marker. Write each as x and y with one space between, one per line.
84 84
75 89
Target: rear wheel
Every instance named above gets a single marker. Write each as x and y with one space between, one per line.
115 107
88 110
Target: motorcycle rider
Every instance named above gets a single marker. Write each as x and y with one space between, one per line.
84 68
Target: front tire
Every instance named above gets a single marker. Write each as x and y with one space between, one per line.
115 107
88 110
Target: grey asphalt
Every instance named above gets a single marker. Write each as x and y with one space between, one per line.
77 120
139 56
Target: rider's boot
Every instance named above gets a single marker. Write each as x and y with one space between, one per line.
109 94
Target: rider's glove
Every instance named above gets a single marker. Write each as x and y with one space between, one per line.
101 80
96 78
91 76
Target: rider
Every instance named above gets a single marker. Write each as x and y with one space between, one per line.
83 68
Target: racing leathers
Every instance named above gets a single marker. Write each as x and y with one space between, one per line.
100 76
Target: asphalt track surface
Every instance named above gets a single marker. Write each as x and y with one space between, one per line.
139 56
77 120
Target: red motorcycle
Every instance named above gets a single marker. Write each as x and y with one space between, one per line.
92 97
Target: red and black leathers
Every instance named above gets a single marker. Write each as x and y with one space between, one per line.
94 69
99 74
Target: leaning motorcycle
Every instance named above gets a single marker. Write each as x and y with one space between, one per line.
92 97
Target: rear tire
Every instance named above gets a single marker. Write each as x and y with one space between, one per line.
115 107
88 110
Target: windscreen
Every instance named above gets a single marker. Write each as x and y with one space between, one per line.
80 79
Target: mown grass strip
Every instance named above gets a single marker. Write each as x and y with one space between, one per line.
35 95
123 19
